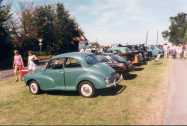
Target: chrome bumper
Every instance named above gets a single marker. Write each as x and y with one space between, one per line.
114 83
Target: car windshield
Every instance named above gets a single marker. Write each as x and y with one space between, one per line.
91 59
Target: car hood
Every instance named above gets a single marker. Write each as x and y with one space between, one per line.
103 69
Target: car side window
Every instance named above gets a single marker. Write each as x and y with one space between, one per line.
56 64
72 63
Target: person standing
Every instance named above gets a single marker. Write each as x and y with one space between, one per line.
174 51
82 50
185 50
166 50
179 51
31 61
17 65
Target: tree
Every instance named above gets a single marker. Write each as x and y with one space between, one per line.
5 44
51 23
44 21
57 29
185 37
177 29
68 30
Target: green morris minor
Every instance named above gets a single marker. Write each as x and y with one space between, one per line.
72 72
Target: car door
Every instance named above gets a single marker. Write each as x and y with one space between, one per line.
55 74
73 69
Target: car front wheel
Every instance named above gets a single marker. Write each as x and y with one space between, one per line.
34 88
86 89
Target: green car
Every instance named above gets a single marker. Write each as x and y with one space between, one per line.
72 72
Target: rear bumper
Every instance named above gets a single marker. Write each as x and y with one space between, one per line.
116 81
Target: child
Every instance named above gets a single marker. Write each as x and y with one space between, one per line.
31 63
17 65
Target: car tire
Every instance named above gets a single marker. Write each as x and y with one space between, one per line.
86 89
34 87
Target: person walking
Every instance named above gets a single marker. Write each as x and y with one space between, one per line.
179 51
82 50
17 65
173 51
185 50
166 50
31 61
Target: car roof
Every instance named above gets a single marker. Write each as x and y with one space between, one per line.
73 55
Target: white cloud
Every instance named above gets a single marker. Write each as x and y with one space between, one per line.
119 21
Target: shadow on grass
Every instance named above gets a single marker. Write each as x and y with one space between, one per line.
62 93
102 92
138 69
129 76
111 91
157 63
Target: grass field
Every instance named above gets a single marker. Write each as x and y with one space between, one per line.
139 100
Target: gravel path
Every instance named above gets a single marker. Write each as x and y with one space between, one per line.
176 112
5 74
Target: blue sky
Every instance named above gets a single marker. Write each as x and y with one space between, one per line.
114 21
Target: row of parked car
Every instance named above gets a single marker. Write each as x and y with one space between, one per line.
125 58
89 72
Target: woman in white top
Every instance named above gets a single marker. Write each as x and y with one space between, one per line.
31 64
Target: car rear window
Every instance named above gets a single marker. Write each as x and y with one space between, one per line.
118 58
91 59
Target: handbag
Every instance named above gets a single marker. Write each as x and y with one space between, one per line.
23 71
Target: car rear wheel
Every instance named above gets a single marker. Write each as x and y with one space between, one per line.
86 89
34 87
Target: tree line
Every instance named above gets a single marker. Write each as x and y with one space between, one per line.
51 25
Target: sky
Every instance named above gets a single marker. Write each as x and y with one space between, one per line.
120 21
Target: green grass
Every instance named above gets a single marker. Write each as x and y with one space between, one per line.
133 105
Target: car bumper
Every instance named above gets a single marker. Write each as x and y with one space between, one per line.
116 81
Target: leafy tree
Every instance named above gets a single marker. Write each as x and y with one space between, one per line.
177 29
67 30
43 21
57 29
51 23
5 45
185 37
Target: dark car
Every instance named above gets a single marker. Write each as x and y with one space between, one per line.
120 68
131 54
120 59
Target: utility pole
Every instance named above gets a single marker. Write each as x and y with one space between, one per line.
146 38
157 38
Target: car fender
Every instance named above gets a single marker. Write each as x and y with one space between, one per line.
98 82
42 80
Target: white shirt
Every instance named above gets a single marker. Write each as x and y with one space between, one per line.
82 50
31 64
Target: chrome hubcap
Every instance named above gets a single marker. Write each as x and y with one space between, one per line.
86 90
34 88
